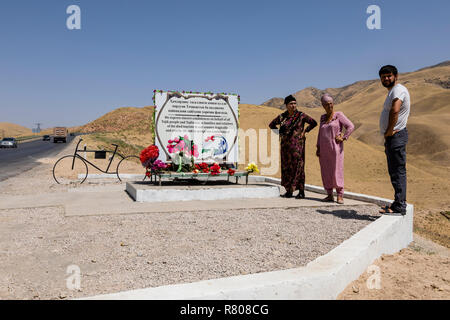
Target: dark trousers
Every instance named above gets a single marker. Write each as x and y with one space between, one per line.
395 149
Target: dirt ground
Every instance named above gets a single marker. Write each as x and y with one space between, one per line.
419 272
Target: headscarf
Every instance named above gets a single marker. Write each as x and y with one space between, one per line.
325 96
288 99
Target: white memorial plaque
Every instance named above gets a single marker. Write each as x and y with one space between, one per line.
209 120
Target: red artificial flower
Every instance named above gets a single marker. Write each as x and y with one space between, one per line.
215 169
231 171
202 166
148 155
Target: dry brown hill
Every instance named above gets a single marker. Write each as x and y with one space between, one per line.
129 127
125 118
13 130
428 125
310 97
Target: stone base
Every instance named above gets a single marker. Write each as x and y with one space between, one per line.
147 192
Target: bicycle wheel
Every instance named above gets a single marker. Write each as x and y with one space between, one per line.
70 170
130 168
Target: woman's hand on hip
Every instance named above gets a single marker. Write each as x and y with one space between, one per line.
339 138
302 135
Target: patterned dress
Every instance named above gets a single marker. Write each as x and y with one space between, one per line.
332 153
292 148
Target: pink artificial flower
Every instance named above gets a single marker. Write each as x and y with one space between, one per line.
176 140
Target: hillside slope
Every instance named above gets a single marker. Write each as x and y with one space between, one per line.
310 97
121 119
128 127
13 130
428 125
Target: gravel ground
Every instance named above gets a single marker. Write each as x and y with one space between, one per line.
116 253
133 251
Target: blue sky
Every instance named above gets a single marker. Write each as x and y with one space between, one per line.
258 49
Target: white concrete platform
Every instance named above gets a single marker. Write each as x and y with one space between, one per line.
323 278
145 192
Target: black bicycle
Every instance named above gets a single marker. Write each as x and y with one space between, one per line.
74 168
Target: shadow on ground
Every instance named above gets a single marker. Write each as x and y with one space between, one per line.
349 214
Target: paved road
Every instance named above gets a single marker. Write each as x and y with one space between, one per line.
14 161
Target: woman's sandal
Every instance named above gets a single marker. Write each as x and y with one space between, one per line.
287 195
329 198
340 200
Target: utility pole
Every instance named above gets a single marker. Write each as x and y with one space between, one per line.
38 128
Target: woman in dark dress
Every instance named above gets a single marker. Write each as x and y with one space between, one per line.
292 140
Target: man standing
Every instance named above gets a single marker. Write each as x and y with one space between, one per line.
393 126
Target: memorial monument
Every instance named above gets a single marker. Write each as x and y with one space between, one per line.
196 136
208 121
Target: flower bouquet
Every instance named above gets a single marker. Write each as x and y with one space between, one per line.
201 167
215 169
183 150
252 167
148 158
149 155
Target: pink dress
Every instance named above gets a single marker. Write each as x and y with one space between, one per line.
332 153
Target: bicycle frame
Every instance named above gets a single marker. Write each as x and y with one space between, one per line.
84 150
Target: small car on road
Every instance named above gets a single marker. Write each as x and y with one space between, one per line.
8 143
45 137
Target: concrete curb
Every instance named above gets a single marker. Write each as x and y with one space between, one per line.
323 278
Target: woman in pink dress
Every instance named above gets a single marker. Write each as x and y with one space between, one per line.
330 148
